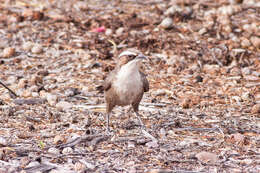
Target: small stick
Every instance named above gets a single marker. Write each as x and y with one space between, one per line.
8 89
114 45
216 59
149 135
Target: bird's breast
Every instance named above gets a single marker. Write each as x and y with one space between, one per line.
128 85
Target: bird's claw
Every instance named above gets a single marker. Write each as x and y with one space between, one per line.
109 132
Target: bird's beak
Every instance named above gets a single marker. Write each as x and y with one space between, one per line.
141 57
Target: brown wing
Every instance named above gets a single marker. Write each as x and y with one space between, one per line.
145 82
108 81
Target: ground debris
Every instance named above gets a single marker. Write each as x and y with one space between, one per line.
201 113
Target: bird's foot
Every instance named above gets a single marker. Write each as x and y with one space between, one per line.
109 132
147 134
142 127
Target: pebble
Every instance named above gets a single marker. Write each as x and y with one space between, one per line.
58 139
256 73
235 1
237 138
26 93
207 157
185 104
120 31
34 88
27 46
11 79
172 10
170 70
24 161
246 71
81 5
79 167
246 96
52 99
32 164
152 144
54 151
71 92
255 109
245 42
173 60
63 105
235 71
162 133
202 31
88 164
67 150
32 15
22 83
167 23
37 48
246 27
227 29
73 136
255 41
198 79
211 69
156 29
43 73
131 144
109 32
8 52
36 80
3 141
160 92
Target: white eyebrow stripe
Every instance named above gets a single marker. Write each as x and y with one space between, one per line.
127 52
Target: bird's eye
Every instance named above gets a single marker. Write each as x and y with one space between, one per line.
131 56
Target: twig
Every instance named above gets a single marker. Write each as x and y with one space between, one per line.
126 139
40 168
8 89
155 104
114 46
173 171
95 139
216 59
85 97
149 135
196 129
33 119
6 163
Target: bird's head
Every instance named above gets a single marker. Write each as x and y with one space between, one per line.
132 56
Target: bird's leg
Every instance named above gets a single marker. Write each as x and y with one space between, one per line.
140 120
107 128
147 134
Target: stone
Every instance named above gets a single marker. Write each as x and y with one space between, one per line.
27 46
52 99
120 31
67 150
8 52
167 23
37 49
255 41
54 151
3 141
207 157
255 109
63 105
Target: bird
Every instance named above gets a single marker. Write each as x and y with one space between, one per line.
126 84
